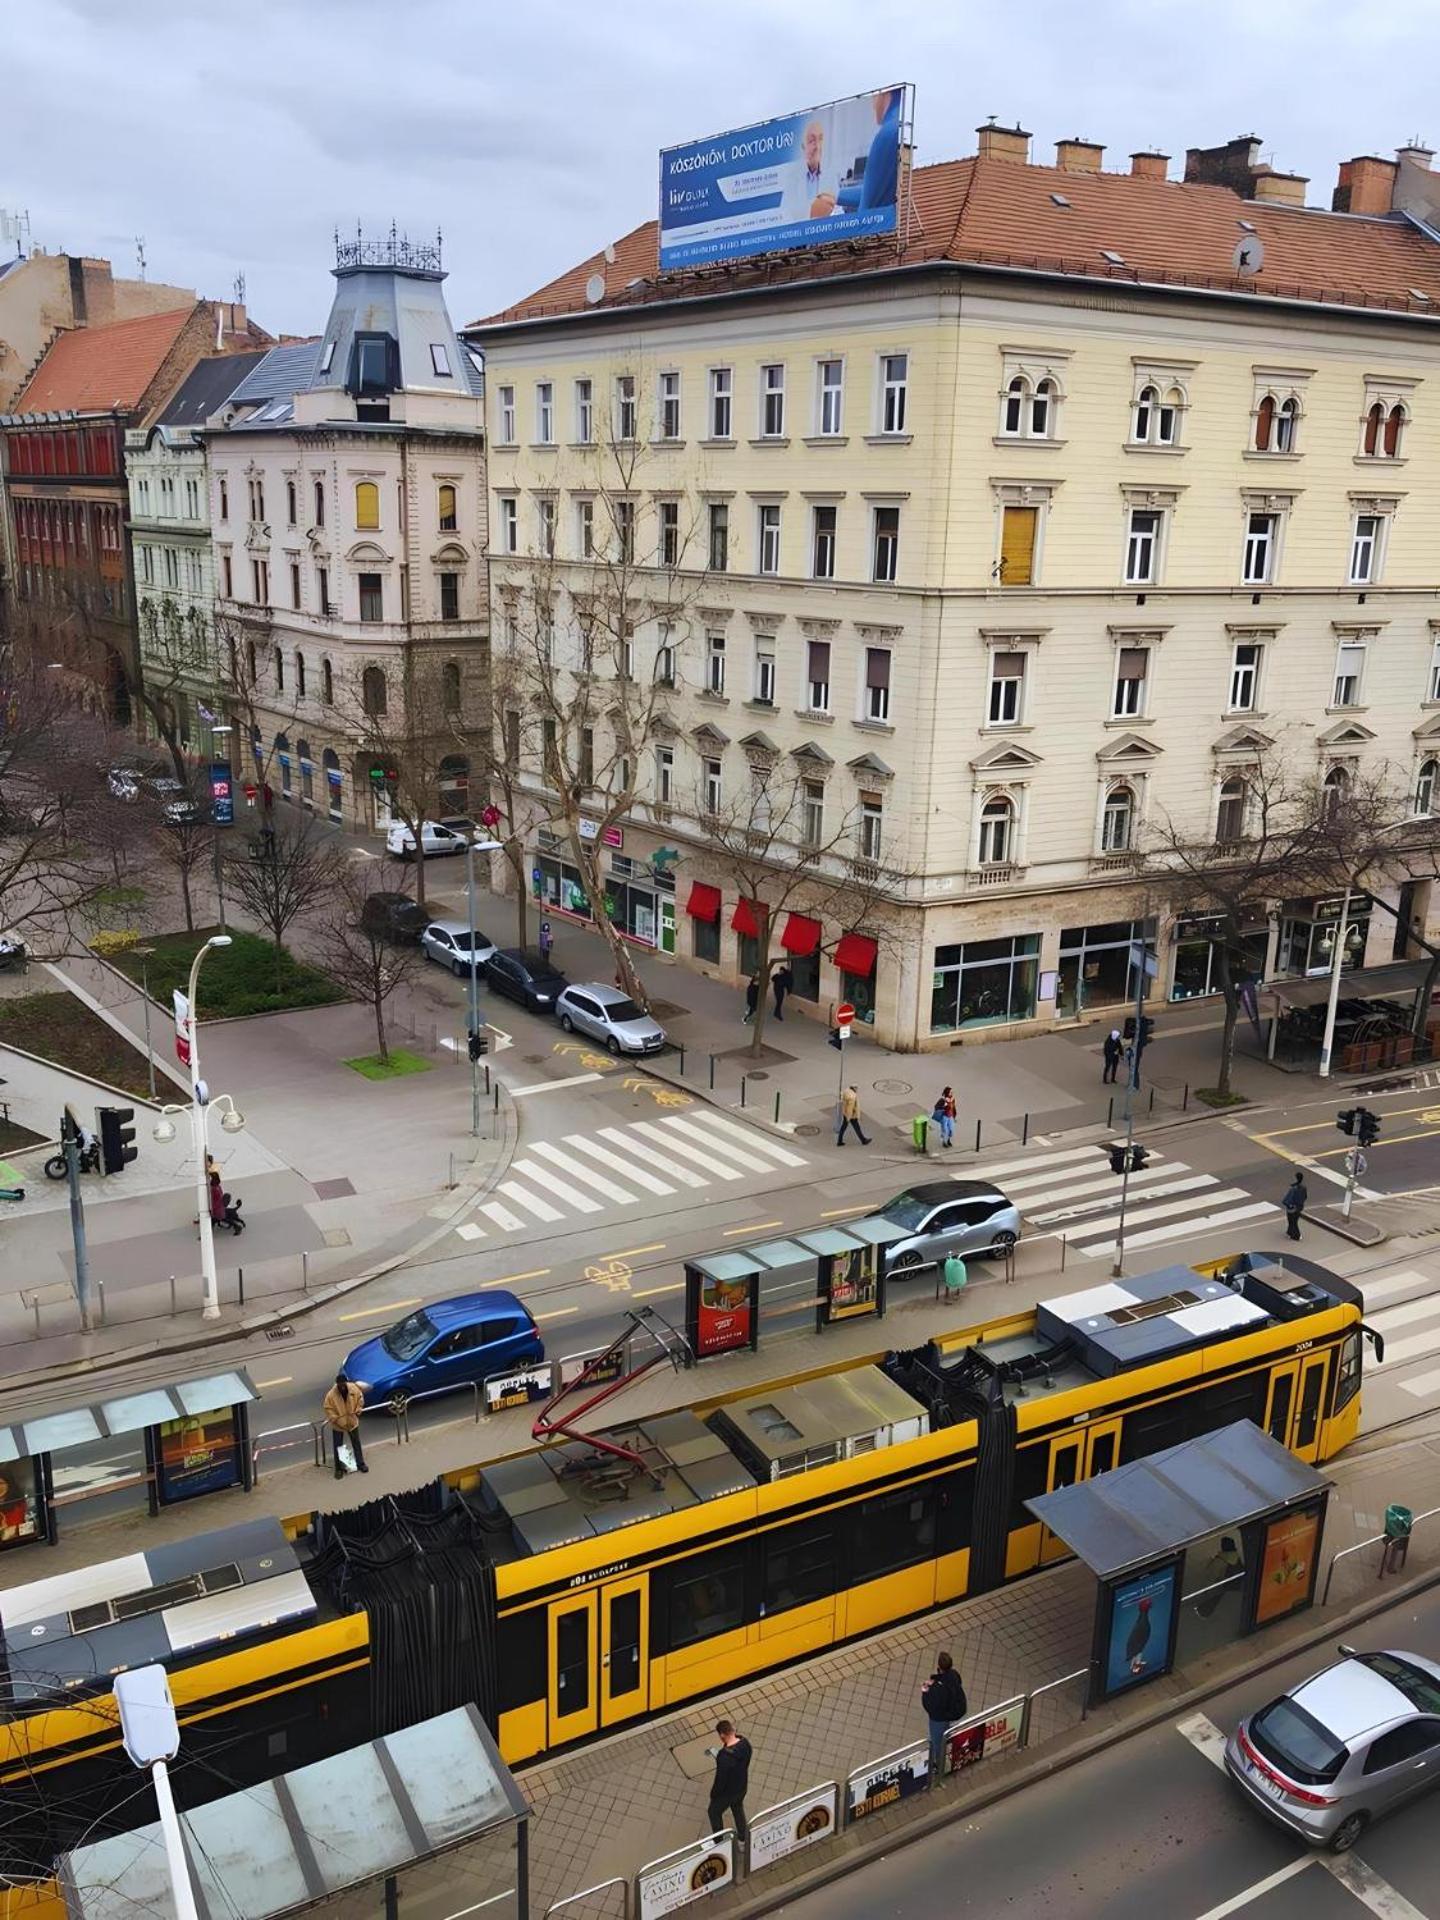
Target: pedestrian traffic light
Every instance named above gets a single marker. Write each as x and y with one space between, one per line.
1117 1159
1346 1118
1369 1126
1138 1156
116 1135
479 1044
1147 1029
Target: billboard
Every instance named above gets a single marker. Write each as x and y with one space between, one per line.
828 173
1289 1561
1140 1635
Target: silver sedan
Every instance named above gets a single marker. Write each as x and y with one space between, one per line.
447 942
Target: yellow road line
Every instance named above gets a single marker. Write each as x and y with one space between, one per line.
629 1253
557 1313
836 1212
388 1306
536 1273
650 1292
1395 1140
756 1226
283 1381
1328 1126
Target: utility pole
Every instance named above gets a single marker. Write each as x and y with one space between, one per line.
1337 962
1142 963
473 1021
70 1145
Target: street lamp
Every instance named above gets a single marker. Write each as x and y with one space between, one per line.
152 1739
145 955
198 1098
473 1026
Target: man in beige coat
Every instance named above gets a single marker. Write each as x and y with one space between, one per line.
850 1117
343 1406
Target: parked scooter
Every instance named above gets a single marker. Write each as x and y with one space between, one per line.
55 1168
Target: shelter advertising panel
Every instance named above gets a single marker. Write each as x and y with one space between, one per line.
896 1777
799 1824
984 1735
824 174
1289 1561
722 1314
200 1453
687 1876
22 1502
517 1389
850 1282
1138 1641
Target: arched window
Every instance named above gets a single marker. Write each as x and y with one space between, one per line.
327 683
997 831
1264 424
333 789
1144 415
1117 826
1394 427
1167 420
1287 422
307 773
1040 409
447 509
1336 789
1374 427
1016 395
319 503
373 690
450 686
299 675
1230 814
290 502
1425 786
367 504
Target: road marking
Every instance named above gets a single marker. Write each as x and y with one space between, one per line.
468 1230
1271 1880
629 1253
544 1178
673 1144
388 1306
685 1175
613 1274
511 1279
1368 1888
551 1086
692 1130
635 1175
757 1142
281 1380
1206 1738
1179 1228
650 1292
514 1191
502 1216
837 1213
1157 1190
756 1226
1422 1386
1381 1288
557 1313
578 1171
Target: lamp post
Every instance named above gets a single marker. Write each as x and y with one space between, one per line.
1337 962
145 955
473 1017
198 1098
152 1739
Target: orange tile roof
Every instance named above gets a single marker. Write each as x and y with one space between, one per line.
92 368
996 212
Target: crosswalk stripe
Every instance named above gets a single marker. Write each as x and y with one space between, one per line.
1103 1180
752 1162
1103 1202
1385 1286
578 1172
1177 1229
1141 1216
1097 1168
502 1216
513 1190
1426 1309
761 1142
704 1156
543 1178
685 1175
470 1230
1422 1386
582 1143
1416 1346
1033 1163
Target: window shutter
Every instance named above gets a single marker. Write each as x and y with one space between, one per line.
877 667
1017 545
1134 662
1009 666
820 660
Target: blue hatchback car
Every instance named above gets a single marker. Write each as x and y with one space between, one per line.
450 1343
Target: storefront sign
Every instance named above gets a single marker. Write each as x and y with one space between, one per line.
1288 1565
592 830
199 1454
517 1389
1140 1638
805 1820
1331 909
984 1735
896 1777
674 1883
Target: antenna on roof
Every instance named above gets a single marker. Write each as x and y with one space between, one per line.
609 253
140 255
595 289
240 289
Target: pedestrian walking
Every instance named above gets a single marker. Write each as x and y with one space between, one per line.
217 1197
547 939
944 1116
783 982
943 1698
752 997
732 1778
1113 1051
342 1408
850 1117
1294 1202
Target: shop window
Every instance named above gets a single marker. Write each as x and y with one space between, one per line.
1096 968
984 983
707 1597
706 940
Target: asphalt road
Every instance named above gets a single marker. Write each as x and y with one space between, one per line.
1154 1830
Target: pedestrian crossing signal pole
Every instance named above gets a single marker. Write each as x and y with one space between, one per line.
1132 1158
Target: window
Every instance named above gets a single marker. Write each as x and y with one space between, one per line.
446 508
885 558
822 564
250 667
719 513
772 402
327 683
1287 421
1259 560
707 1597
1016 566
290 502
1365 549
373 691
584 411
721 394
871 835
625 662
372 597
1007 689
800 1564
830 414
323 580
715 663
1432 694
765 670
625 528
299 675
669 421
769 561
894 1530
260 582
1143 416
327 359
713 785
449 596
147 565
894 382
545 412
1245 676
1230 812
669 533
665 776
586 767
512 735
367 505
192 500
227 585
817 681
509 524
1335 791
545 524
626 409
439 359
295 583
1349 665
997 831
278 662
506 397
1383 431
1028 413
1117 824
665 663
224 498
812 818
319 503
1425 786
1142 547
1130 675
877 684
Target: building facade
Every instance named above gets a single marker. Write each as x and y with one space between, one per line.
1023 543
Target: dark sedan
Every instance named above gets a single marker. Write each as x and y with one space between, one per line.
524 974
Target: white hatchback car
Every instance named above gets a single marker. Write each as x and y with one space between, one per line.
434 839
448 943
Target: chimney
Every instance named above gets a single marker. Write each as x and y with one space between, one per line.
1413 153
1078 156
1003 143
1280 189
1149 166
1229 166
1365 185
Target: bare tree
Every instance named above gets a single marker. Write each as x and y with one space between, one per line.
353 946
293 869
508 746
185 841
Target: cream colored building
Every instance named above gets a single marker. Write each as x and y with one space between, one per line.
1036 530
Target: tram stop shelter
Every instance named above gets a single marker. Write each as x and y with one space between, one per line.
1191 1547
355 1830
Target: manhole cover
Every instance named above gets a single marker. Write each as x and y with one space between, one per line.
892 1086
757 1073
286 1332
807 1129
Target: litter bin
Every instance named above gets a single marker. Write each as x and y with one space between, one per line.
1399 1524
920 1132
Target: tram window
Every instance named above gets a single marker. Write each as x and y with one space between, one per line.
520 1665
893 1531
1347 1373
1228 1401
799 1567
1152 1429
572 1660
957 1500
1032 1470
707 1596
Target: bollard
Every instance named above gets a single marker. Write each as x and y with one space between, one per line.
497 1096
742 1089
1064 1249
1025 1132
1110 1112
100 1290
977 1136
682 1063
777 1106
240 1279
1185 1099
487 1079
712 1073
1151 1108
304 1273
172 1295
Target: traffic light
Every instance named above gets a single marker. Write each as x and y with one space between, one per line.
1369 1126
116 1135
1346 1118
1117 1159
1147 1029
1138 1158
479 1044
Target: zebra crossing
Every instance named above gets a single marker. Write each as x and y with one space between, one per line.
1403 1305
1074 1192
584 1174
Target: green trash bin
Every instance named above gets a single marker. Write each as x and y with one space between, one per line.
920 1132
1399 1522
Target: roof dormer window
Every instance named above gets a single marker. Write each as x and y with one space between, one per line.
440 359
327 357
374 364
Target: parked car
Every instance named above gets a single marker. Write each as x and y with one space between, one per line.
1342 1748
524 974
448 942
462 824
394 916
610 1016
183 811
434 839
950 1216
450 1343
124 782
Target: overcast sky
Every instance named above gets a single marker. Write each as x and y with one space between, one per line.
235 138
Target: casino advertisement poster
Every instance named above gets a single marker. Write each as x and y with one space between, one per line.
197 1454
851 1282
722 1314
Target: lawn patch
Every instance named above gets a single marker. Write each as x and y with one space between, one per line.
239 979
61 1029
1212 1097
371 1067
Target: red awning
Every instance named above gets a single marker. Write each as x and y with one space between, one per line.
801 935
704 902
856 954
744 920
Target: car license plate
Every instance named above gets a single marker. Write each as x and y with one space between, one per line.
1270 1785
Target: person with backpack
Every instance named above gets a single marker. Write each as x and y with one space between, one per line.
943 1114
943 1698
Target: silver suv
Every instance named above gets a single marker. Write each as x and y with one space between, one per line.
1344 1747
610 1016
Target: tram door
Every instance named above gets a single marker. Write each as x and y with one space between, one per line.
1078 1455
573 1666
599 1669
1296 1412
624 1634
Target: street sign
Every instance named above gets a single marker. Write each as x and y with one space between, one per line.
844 1014
490 816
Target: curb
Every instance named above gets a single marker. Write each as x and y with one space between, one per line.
924 1826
